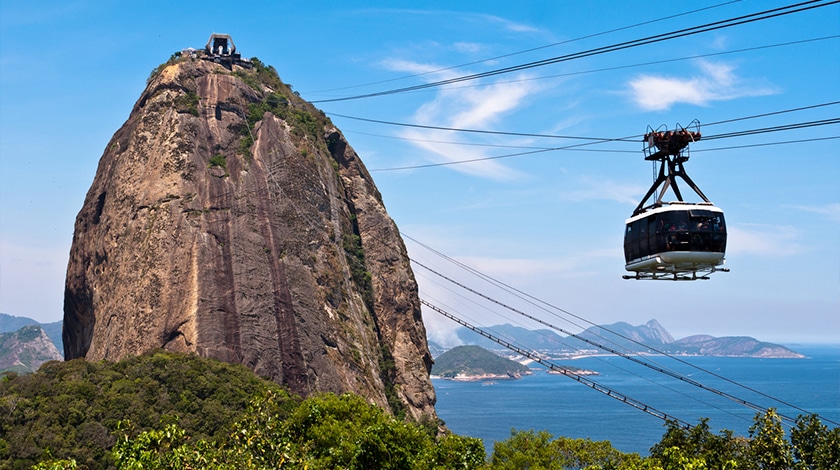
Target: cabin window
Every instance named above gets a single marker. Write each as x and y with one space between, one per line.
708 231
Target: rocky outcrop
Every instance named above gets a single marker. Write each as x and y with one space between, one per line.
229 218
26 349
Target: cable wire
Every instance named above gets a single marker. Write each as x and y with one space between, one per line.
504 56
745 19
561 370
636 360
534 301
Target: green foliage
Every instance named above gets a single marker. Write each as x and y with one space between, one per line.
245 144
72 408
680 446
279 100
324 432
814 445
352 244
172 59
219 161
537 450
187 103
768 447
56 464
26 334
169 411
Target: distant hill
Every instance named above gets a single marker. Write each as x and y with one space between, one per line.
538 340
11 323
475 362
648 338
24 350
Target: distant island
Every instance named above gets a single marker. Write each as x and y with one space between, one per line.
471 363
650 338
476 363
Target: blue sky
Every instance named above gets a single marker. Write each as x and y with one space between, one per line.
549 223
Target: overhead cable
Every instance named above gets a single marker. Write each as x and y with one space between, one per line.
644 64
611 350
577 147
504 56
538 302
745 19
634 138
560 369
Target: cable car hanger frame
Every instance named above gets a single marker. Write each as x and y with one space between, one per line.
678 240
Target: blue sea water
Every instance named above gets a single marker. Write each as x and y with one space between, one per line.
564 407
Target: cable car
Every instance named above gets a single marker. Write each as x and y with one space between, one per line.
677 240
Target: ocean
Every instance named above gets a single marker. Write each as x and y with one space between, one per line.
564 407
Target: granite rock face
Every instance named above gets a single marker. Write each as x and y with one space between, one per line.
229 218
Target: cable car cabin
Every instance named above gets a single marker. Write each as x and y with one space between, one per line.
676 240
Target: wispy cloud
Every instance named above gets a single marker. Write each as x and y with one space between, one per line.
764 240
714 82
594 189
832 211
480 107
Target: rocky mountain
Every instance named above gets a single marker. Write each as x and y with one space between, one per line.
231 219
26 349
622 336
11 323
474 363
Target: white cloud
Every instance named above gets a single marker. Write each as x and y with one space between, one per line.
832 211
400 65
481 107
772 241
595 189
467 47
715 82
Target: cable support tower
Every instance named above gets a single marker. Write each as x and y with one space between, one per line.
562 370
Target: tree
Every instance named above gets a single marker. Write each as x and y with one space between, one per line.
525 450
768 449
815 447
322 432
537 451
698 443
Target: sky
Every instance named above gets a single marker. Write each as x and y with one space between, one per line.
547 222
